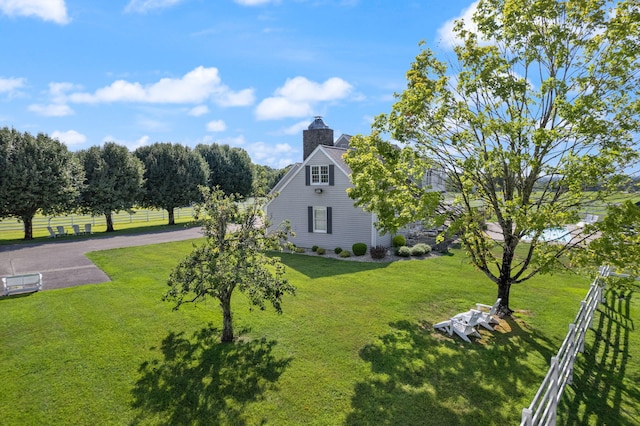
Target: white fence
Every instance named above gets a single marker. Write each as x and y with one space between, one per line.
543 408
41 222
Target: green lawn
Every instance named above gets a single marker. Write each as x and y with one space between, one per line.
355 346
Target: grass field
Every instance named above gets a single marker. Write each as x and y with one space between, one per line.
355 346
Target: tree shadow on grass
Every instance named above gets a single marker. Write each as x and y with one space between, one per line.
421 377
200 381
316 266
603 391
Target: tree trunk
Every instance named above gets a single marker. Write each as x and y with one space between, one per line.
28 227
227 324
172 220
504 281
503 294
109 218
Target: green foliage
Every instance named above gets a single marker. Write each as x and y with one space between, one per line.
535 119
230 169
359 249
618 244
37 174
345 253
172 175
417 251
232 256
337 250
300 250
314 248
399 240
113 180
378 252
403 251
420 249
321 251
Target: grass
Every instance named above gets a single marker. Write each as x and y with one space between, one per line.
355 346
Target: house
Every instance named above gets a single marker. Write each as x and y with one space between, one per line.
313 196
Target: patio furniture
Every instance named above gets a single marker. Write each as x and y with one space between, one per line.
463 327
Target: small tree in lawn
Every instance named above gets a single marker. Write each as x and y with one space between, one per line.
232 256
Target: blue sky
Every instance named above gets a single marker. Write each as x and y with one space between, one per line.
248 73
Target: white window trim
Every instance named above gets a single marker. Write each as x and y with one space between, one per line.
319 168
326 222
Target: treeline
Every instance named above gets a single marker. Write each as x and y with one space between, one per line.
39 174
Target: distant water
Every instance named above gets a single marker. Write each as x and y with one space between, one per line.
553 235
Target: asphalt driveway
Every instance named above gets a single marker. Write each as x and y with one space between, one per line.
62 262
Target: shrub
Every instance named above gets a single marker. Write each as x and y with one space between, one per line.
337 250
403 251
378 252
320 251
345 253
314 248
399 240
300 249
425 247
359 249
420 249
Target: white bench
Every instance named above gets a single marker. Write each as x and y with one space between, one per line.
17 284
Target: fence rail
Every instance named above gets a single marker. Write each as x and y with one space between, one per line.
42 222
544 407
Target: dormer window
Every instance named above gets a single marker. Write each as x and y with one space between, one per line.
319 175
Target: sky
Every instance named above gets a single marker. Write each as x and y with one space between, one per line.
248 73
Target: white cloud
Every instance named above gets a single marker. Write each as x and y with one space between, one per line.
144 6
51 110
277 156
48 10
132 146
70 137
274 108
445 32
297 128
10 85
199 110
196 86
216 126
299 95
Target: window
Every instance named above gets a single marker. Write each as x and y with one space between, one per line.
319 175
320 219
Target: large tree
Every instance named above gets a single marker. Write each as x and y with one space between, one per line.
37 174
534 118
113 180
232 256
172 175
230 168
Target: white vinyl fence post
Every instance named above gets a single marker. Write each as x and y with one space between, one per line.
527 417
553 392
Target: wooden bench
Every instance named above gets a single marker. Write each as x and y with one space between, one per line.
17 284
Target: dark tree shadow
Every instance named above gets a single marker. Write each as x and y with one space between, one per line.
421 377
602 390
200 381
315 266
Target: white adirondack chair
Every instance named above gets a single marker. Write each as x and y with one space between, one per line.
489 311
460 326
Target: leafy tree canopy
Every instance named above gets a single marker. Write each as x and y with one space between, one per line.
230 168
233 256
172 175
113 180
538 104
36 174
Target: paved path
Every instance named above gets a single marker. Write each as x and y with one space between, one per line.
63 263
